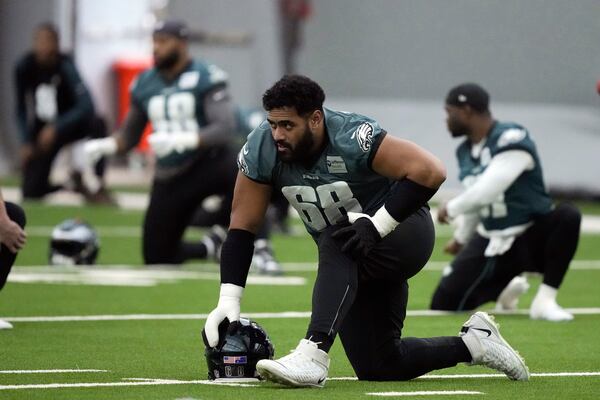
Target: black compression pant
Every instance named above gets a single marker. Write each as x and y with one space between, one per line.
174 201
7 258
35 181
365 302
546 247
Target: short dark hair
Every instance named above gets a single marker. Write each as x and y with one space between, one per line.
48 27
469 94
297 91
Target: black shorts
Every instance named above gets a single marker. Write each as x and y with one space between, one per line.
174 201
36 172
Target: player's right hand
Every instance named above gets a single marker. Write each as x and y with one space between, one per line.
12 235
95 149
453 247
228 307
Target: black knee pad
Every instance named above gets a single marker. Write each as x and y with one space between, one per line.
16 214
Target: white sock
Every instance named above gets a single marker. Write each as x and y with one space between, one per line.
544 306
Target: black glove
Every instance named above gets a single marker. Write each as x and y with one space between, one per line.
359 238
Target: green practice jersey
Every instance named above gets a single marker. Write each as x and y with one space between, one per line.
526 197
340 180
177 105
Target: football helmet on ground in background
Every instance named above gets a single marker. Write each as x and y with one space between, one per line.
73 242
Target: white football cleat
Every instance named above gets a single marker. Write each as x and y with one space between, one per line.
263 259
5 324
306 366
488 348
509 298
213 241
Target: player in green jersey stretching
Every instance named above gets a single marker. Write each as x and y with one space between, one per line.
362 195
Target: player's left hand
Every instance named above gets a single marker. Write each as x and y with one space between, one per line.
46 138
359 237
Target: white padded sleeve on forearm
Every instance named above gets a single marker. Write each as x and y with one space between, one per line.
503 170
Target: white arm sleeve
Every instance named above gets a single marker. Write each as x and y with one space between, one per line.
503 170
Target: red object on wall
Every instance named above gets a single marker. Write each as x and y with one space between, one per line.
126 70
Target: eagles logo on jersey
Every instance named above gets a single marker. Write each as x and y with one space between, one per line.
364 136
511 136
241 161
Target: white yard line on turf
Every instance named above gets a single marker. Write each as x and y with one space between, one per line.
190 273
479 376
150 382
579 265
156 382
112 231
590 224
51 371
424 393
120 275
282 315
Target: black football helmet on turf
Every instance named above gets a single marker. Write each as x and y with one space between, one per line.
73 242
241 345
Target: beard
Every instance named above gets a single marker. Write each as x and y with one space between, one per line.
168 61
301 151
458 129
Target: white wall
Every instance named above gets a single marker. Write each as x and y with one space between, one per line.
537 51
106 31
251 68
